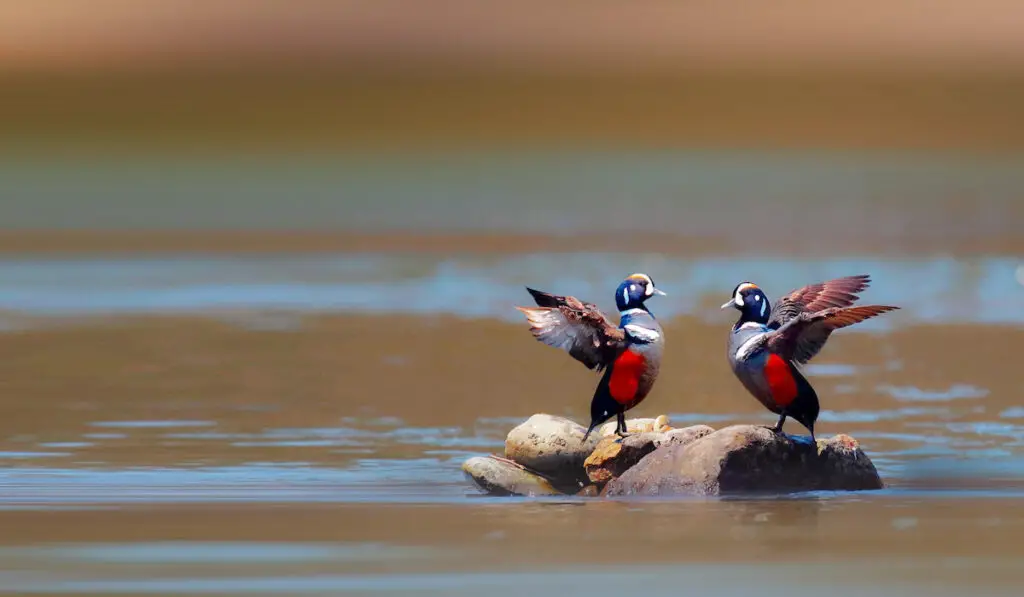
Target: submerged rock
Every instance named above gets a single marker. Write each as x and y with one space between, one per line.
615 454
500 476
554 447
748 458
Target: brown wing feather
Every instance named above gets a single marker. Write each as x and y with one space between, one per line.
840 292
545 299
801 339
579 328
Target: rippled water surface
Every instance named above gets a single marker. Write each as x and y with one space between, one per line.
295 425
287 423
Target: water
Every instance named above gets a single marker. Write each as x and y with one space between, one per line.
180 454
810 199
929 289
224 422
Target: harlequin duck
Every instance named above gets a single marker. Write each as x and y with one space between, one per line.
629 354
766 345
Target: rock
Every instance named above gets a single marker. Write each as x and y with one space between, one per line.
636 426
554 447
615 454
589 491
684 435
748 459
849 467
500 476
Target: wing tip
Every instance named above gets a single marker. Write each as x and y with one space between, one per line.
879 309
853 315
543 299
862 281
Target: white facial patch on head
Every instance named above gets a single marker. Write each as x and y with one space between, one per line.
764 305
625 296
649 288
738 299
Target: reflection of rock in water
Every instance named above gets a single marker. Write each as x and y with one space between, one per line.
797 513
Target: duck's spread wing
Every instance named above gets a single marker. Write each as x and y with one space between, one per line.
578 328
803 336
840 292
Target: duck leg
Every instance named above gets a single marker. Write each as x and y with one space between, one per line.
620 428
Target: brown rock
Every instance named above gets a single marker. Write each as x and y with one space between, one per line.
554 447
849 467
748 459
499 476
589 491
615 454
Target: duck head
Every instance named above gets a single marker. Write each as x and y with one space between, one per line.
751 302
633 291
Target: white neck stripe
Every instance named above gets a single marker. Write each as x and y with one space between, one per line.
642 334
748 347
633 311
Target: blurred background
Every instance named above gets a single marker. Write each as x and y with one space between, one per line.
258 261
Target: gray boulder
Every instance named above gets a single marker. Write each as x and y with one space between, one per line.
748 459
554 447
500 476
683 435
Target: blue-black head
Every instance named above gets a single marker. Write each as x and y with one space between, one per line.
751 302
634 290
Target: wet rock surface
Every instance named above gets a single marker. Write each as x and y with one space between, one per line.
614 455
500 476
748 459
